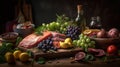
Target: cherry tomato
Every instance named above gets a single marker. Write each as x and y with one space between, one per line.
112 49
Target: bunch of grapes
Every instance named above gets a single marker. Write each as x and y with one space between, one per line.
84 41
46 45
73 32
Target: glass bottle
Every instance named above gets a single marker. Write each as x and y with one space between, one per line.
95 23
80 19
99 24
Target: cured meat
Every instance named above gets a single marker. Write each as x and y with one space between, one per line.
32 40
56 44
97 52
55 34
29 41
58 39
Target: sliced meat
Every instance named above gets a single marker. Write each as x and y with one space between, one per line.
97 52
101 52
29 41
55 34
58 39
33 39
56 44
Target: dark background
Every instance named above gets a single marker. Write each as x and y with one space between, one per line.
44 11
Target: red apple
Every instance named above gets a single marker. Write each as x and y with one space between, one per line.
112 49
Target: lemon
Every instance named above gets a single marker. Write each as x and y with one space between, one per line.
24 57
17 54
9 57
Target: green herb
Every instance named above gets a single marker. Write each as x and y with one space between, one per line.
41 60
2 59
19 39
89 57
30 53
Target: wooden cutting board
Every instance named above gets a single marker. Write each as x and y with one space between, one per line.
60 53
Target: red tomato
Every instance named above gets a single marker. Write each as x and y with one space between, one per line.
112 49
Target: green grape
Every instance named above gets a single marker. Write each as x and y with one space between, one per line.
81 35
43 24
93 42
89 44
86 45
64 29
47 25
78 42
74 42
85 37
88 40
81 44
57 25
83 40
66 23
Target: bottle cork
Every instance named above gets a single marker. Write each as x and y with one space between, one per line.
79 7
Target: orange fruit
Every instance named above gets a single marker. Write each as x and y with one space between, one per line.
87 31
16 54
24 57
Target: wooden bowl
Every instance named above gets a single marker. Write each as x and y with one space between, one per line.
105 42
9 37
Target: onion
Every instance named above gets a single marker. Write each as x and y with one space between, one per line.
113 33
102 34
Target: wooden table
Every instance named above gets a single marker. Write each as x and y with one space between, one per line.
64 62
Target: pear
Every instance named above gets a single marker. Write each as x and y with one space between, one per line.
64 45
67 40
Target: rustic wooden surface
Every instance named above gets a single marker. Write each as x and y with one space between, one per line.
64 62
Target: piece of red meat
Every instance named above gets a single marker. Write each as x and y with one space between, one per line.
32 40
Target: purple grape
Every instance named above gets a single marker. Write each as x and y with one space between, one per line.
73 31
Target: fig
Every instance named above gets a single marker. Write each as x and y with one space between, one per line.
102 34
80 56
100 53
113 33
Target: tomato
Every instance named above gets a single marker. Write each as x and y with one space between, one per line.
112 49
